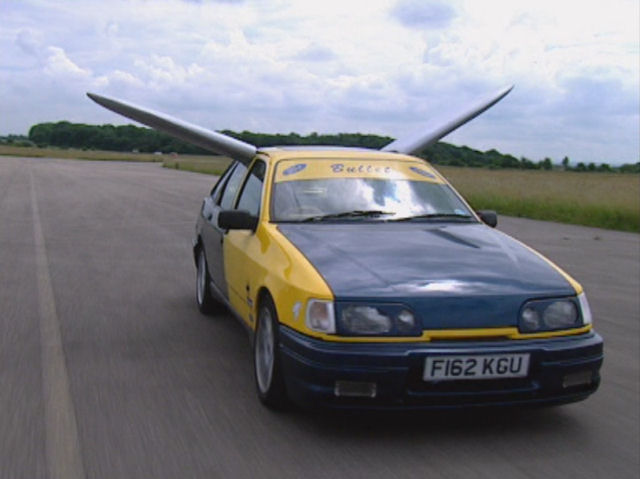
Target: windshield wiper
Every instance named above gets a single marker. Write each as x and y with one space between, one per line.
348 214
436 216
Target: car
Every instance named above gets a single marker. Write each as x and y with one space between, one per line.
366 281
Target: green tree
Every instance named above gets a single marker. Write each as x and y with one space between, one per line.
630 168
546 164
527 164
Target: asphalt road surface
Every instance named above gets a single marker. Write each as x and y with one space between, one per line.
107 370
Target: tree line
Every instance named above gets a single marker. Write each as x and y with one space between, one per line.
64 134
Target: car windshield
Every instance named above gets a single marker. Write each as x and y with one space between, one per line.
391 198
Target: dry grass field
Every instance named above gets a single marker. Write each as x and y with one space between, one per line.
73 154
606 200
212 165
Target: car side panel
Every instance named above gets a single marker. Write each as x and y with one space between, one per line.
208 232
212 238
267 260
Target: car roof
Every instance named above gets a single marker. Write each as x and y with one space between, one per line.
277 153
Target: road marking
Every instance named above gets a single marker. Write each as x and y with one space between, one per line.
61 442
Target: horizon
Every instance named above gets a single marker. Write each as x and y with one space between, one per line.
554 161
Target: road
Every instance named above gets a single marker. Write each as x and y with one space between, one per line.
107 370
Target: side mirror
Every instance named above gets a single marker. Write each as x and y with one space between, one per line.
489 217
237 220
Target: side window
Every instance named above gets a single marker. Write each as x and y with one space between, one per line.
216 191
232 186
252 191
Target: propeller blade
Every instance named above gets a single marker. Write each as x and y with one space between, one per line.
208 139
416 143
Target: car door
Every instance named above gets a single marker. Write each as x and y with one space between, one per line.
242 248
212 234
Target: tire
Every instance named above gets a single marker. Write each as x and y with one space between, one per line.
266 358
205 300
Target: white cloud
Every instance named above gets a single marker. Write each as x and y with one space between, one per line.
122 77
29 42
161 72
382 66
60 65
315 53
424 14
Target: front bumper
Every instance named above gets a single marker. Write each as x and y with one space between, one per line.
312 367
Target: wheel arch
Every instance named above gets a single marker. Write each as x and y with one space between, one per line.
196 247
265 295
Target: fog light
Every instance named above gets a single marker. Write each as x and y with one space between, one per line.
355 389
577 379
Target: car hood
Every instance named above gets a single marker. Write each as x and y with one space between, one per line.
452 275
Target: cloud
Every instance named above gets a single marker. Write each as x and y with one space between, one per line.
125 78
424 14
212 1
163 72
58 64
111 29
596 96
29 42
381 66
315 53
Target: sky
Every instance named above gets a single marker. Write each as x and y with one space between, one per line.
387 67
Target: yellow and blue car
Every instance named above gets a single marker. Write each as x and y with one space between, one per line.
366 281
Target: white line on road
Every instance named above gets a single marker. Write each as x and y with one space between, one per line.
62 446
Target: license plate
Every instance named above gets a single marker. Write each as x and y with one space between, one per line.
486 366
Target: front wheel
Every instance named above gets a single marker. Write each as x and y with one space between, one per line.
206 302
266 358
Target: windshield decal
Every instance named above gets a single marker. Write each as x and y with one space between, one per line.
420 171
292 170
340 168
387 169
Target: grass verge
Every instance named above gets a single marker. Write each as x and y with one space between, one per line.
602 200
211 165
73 154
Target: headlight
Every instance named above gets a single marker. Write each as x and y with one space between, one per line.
560 315
320 316
551 315
365 320
530 319
379 319
405 322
